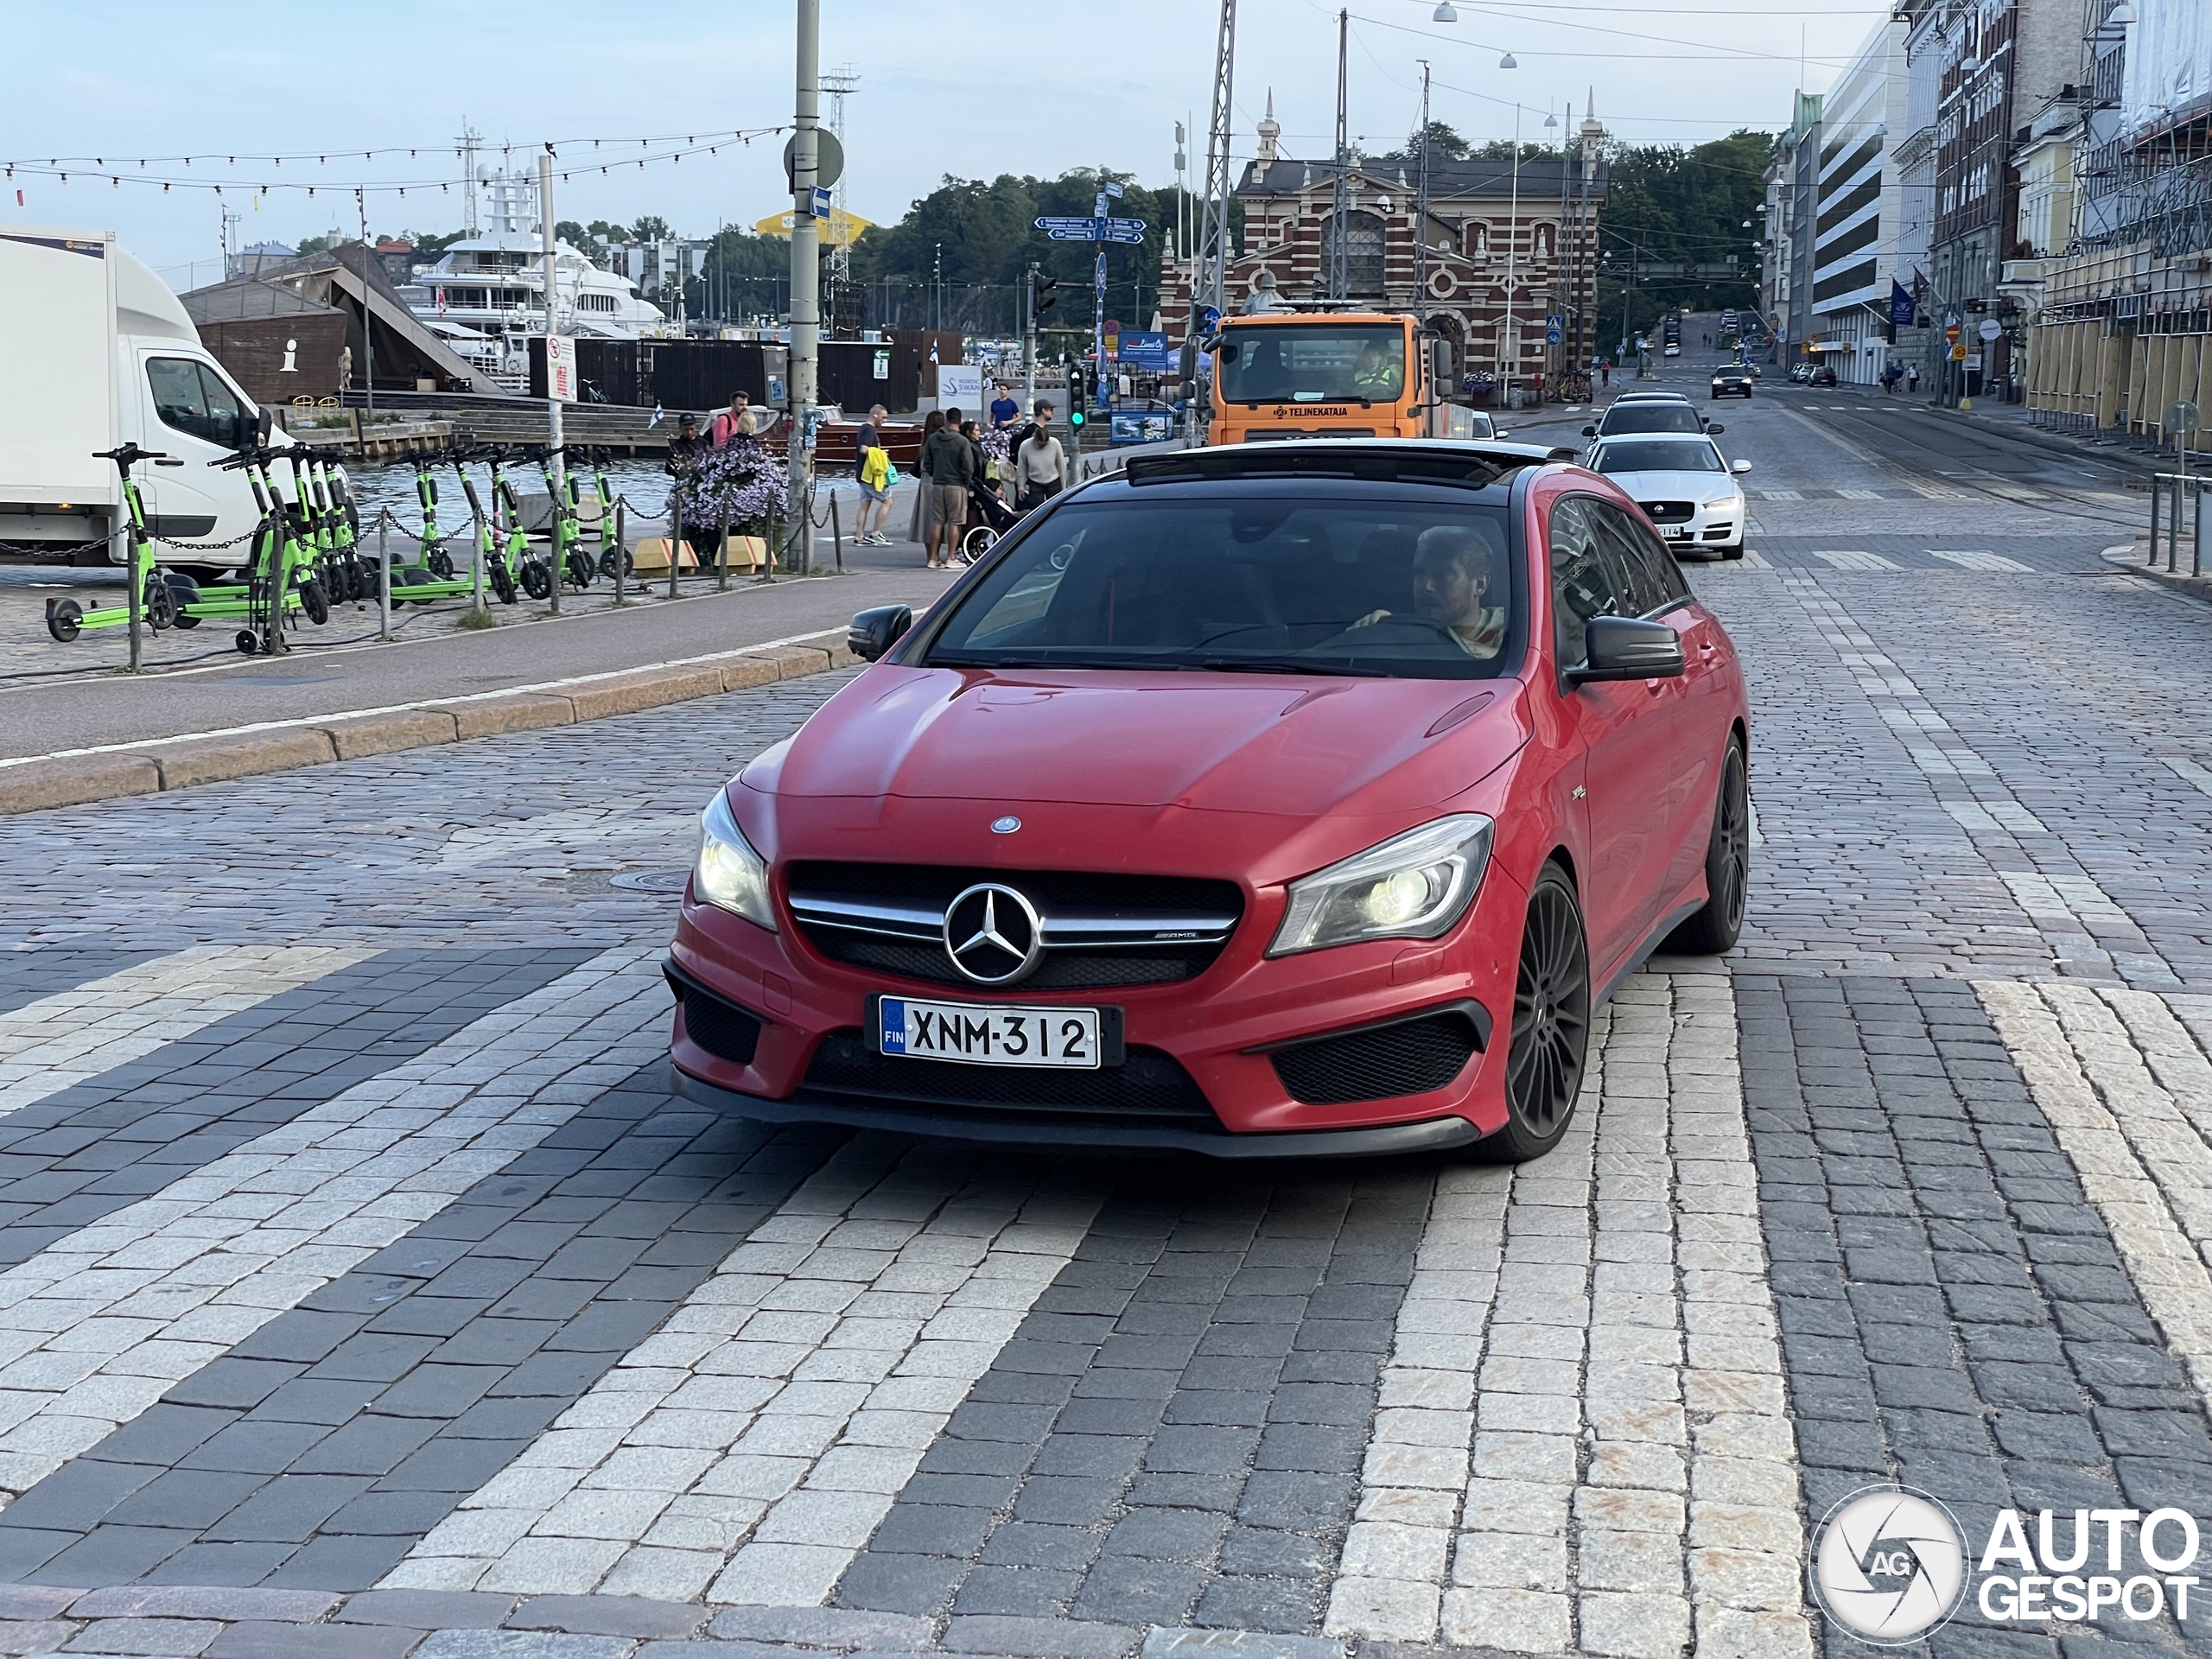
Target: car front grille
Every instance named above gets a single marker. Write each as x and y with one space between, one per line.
1668 513
1100 930
725 1031
1148 1084
1409 1057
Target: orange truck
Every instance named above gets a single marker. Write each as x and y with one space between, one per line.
1334 374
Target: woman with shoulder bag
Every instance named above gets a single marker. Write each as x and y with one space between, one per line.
1040 466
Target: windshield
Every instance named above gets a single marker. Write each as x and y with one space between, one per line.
1361 582
1656 457
1313 363
1650 417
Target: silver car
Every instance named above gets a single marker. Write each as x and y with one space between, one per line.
1686 487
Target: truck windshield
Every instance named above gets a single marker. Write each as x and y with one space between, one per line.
1369 581
1313 363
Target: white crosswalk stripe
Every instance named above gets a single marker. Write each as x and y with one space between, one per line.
1967 558
1612 1303
99 1326
60 1040
2123 1078
1754 560
756 1441
1860 495
1854 559
1780 495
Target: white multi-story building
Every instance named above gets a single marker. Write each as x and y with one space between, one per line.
1861 207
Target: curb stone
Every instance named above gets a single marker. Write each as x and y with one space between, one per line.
164 765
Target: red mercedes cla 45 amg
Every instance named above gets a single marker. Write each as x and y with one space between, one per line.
1259 801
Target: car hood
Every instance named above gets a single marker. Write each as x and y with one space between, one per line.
1279 745
1675 486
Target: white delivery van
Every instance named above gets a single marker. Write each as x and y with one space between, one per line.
95 351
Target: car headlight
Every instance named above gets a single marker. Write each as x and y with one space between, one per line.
1725 501
1415 886
729 875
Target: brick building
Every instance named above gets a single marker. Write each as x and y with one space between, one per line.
1478 236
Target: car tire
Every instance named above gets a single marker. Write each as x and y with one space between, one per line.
1714 930
1549 1037
1735 552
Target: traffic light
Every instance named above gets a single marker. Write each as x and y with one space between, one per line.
1074 396
1041 297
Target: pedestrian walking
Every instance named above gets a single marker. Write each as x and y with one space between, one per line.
1040 464
949 464
1912 378
1605 372
1005 410
872 467
730 422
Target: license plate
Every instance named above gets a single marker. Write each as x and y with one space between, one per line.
997 1034
1674 532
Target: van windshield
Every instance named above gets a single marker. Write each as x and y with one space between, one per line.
1367 582
1312 363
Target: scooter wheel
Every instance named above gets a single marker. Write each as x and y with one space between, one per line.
581 572
536 582
64 618
440 564
606 562
161 604
314 602
186 619
247 643
503 584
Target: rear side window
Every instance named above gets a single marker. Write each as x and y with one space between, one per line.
1650 580
1584 581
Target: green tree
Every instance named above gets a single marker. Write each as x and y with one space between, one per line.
1681 211
651 228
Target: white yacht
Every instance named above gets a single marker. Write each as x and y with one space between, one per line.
492 286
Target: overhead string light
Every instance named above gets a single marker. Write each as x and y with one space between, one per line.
671 148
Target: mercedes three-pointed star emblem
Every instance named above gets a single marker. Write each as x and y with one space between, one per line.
993 934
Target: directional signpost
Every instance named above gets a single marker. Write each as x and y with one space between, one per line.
1100 228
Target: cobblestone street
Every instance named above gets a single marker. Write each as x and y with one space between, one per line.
366 1293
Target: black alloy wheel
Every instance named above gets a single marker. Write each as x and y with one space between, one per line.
1714 929
1551 1024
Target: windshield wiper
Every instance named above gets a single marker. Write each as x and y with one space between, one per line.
1288 665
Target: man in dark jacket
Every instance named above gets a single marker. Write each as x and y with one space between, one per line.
949 463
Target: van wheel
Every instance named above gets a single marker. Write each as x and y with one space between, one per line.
1714 930
1551 1025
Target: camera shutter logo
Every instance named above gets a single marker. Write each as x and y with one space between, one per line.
1889 1564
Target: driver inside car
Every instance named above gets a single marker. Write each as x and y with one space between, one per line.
1453 569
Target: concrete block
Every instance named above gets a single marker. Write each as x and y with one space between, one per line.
793 661
741 673
39 785
649 688
523 711
405 728
215 760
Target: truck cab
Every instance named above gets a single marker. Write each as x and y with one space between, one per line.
106 355
1332 374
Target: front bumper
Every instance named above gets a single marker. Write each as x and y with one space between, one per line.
800 1019
1720 526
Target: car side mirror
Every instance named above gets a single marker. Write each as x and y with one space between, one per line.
1628 648
1739 466
873 632
262 427
1589 431
1715 429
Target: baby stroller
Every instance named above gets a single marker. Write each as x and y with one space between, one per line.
989 518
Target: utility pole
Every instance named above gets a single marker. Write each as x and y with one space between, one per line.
806 277
368 322
1339 279
1029 340
1505 371
1211 261
1421 211
470 138
557 463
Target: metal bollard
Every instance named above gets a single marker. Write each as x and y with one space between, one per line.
384 576
2173 530
722 555
837 534
2156 516
476 563
621 553
675 534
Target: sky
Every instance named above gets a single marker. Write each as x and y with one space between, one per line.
949 87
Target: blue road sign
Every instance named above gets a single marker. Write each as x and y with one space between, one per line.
1070 230
1129 231
821 203
1208 319
1551 336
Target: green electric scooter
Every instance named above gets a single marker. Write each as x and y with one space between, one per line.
525 568
564 499
614 559
432 575
498 575
157 600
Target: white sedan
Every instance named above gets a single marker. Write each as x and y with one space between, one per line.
1683 483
